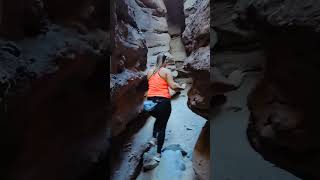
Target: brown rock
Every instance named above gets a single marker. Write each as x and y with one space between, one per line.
130 48
198 65
282 127
201 154
127 95
53 113
197 30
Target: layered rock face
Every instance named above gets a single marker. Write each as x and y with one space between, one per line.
129 56
53 96
151 19
196 38
284 104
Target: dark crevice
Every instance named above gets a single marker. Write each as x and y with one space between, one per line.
175 13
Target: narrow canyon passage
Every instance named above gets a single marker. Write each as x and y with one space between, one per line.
233 156
184 126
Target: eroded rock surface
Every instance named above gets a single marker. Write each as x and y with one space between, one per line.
196 38
282 126
53 96
129 56
197 30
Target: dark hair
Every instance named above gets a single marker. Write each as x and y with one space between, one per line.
161 59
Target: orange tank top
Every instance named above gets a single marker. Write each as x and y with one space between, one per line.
158 86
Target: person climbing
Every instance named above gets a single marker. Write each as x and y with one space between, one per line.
160 78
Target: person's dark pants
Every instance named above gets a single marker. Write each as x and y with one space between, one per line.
162 113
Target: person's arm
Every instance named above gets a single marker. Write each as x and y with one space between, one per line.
173 85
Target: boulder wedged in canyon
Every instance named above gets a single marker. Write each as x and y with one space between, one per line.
282 126
196 38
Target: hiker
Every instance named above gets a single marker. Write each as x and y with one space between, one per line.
160 79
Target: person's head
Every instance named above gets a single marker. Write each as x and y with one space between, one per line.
161 61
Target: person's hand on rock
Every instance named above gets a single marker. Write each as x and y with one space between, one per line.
183 86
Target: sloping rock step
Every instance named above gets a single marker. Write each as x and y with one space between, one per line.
177 48
171 162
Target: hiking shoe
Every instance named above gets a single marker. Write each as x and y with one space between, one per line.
156 158
151 164
153 142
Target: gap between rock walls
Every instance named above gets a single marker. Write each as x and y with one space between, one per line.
258 95
158 27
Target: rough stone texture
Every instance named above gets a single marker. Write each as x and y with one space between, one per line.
176 17
127 94
78 14
129 44
197 30
201 154
198 64
171 166
189 7
196 38
52 97
284 104
128 84
235 50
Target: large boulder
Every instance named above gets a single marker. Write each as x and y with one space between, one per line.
198 63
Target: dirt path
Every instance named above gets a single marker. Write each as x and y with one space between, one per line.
233 157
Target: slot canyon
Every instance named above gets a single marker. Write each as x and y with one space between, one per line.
143 29
248 113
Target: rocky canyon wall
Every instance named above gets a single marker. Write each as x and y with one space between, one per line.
280 40
129 57
283 125
140 33
196 38
53 89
